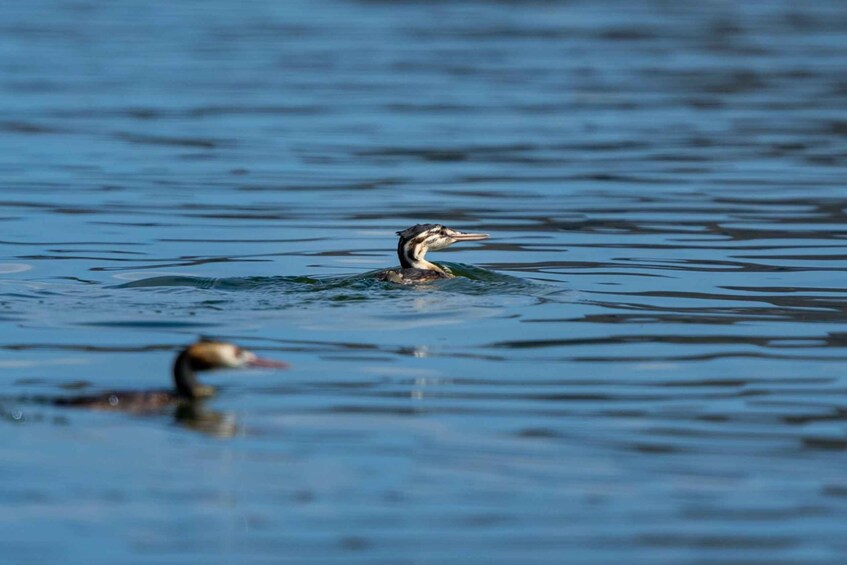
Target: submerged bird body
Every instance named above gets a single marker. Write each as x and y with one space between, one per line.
412 248
121 400
204 355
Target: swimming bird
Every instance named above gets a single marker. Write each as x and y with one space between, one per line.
412 247
203 355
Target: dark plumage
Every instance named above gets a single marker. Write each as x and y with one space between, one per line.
204 355
412 248
121 400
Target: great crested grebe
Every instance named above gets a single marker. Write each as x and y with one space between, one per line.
204 355
412 247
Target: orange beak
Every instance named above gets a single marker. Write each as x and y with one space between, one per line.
268 363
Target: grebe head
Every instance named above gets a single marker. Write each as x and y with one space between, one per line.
206 355
209 354
417 240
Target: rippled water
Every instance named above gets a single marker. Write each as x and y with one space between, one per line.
645 363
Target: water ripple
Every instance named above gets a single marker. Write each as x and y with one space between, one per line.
645 364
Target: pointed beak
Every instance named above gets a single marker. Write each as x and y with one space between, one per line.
462 236
257 361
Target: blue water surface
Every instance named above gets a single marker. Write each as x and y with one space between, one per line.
645 363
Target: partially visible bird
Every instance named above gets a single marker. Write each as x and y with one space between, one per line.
204 355
413 246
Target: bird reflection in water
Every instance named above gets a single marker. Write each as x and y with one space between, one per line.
196 417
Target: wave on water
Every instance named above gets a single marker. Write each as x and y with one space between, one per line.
468 280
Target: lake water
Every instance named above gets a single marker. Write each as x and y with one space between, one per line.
644 364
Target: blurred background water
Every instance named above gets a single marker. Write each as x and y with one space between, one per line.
644 364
